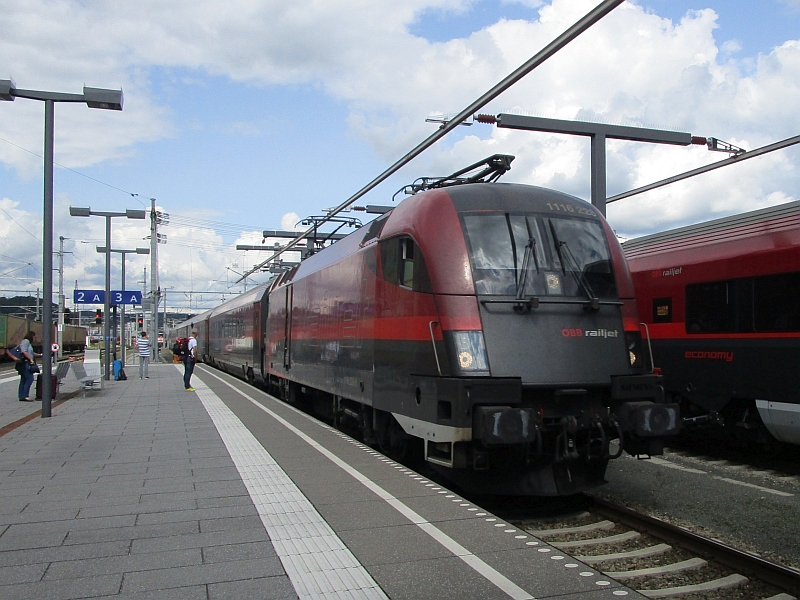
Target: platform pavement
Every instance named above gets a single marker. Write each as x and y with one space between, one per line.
11 409
147 491
130 493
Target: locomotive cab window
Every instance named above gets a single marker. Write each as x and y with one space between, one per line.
403 265
548 256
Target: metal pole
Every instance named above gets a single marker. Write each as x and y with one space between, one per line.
165 321
598 168
60 325
47 260
123 336
107 304
154 287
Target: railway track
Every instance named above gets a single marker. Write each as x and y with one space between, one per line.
658 559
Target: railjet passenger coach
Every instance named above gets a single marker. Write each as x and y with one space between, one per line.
490 328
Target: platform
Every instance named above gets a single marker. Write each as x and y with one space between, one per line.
143 490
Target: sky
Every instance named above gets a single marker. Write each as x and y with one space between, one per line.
253 114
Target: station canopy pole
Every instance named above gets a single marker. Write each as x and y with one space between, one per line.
592 17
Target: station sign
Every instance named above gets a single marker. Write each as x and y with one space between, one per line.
99 297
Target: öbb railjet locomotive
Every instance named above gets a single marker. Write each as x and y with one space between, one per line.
491 328
720 300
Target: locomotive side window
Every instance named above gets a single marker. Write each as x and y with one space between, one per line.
407 262
402 264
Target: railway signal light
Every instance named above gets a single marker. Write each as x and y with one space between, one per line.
98 317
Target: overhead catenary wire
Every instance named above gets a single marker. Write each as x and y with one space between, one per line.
710 167
592 17
131 194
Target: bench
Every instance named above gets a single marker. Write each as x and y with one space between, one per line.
87 381
58 374
61 371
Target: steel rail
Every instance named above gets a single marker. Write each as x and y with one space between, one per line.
716 165
592 17
786 578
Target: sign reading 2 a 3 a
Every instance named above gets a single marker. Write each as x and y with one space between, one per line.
98 297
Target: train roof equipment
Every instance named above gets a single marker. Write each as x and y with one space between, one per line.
494 167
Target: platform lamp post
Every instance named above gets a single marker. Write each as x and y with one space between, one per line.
102 250
94 98
75 211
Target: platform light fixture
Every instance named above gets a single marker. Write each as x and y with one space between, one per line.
94 98
78 211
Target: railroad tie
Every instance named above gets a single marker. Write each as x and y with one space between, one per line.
600 525
708 586
612 539
684 565
640 553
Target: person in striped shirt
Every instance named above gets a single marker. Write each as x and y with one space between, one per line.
144 354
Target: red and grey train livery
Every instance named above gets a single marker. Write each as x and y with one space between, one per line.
491 328
721 301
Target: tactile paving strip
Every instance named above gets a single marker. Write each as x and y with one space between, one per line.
317 562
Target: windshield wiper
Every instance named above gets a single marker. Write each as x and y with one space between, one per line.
565 256
530 251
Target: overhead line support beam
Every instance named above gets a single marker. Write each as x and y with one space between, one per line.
598 132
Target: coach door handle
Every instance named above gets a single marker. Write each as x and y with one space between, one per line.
433 341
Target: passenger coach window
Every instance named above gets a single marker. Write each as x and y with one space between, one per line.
746 305
402 264
718 307
776 302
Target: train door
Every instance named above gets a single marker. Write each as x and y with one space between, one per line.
261 331
287 329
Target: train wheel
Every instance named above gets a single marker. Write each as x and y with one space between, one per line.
392 440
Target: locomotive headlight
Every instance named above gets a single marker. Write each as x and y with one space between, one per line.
633 341
470 351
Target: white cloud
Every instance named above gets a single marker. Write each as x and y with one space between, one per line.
290 222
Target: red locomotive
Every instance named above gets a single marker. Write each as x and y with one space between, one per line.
491 328
720 300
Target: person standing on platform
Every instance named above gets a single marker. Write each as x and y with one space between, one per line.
144 354
23 367
189 360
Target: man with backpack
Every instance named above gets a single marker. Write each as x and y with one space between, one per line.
188 360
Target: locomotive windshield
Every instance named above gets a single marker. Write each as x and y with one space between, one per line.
561 257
